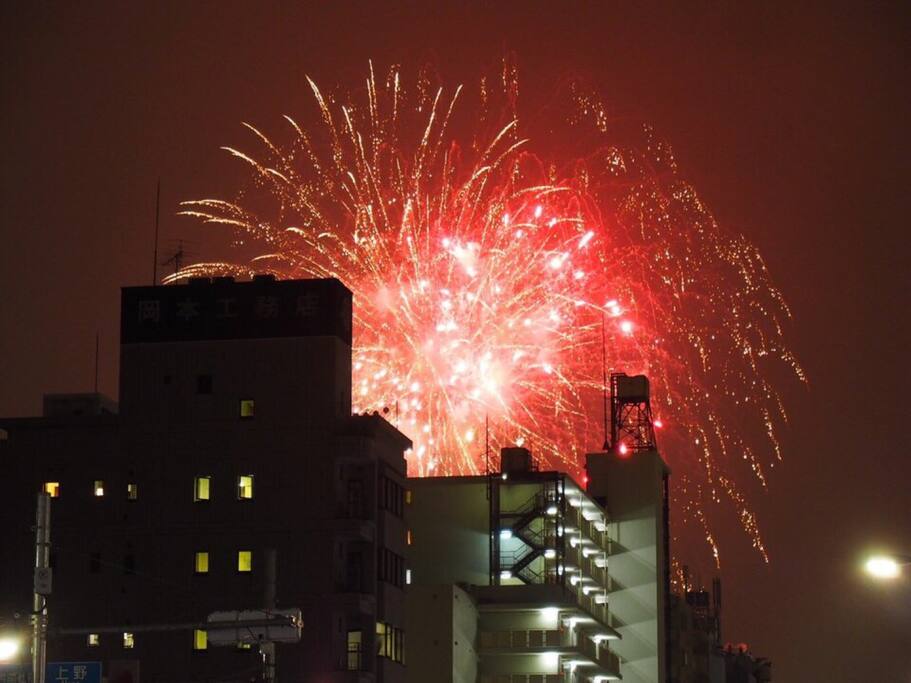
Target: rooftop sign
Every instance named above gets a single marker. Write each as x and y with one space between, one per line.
223 309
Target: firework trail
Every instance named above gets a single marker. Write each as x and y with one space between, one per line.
485 267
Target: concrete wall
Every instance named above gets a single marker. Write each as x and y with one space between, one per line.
633 488
441 625
449 520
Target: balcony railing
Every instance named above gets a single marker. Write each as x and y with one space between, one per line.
536 640
522 678
523 640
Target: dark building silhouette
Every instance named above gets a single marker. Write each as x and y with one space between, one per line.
233 440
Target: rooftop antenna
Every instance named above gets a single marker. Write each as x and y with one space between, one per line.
487 452
96 362
487 442
157 211
178 257
604 378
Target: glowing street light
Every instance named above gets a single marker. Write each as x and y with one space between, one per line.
886 567
9 648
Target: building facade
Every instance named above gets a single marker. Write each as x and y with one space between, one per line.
231 477
524 560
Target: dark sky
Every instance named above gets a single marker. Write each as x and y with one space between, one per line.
791 121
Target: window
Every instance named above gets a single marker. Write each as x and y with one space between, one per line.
201 488
200 640
408 577
98 488
355 651
132 491
408 497
203 384
201 565
390 567
245 561
128 641
390 642
355 499
241 646
94 640
409 539
245 487
52 488
391 496
354 571
246 408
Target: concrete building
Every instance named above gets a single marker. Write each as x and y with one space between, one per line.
696 655
233 444
555 581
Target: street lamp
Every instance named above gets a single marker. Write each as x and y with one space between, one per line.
886 567
9 648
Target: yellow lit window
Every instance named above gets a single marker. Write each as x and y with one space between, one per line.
132 491
128 641
202 562
201 488
408 496
246 407
408 538
94 640
355 651
241 645
245 486
200 640
245 560
98 488
52 488
381 644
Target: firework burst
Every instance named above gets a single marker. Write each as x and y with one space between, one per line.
489 273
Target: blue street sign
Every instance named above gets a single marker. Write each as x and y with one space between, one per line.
73 672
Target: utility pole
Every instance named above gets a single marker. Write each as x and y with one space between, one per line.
267 649
42 586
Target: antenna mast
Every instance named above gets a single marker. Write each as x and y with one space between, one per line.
96 362
607 444
155 256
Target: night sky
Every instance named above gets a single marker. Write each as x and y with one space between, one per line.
792 123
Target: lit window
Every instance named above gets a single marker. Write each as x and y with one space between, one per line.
201 488
128 641
246 407
241 645
94 640
132 491
202 562
408 576
200 640
245 486
355 651
408 537
245 560
408 496
52 488
98 488
390 642
381 638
